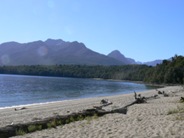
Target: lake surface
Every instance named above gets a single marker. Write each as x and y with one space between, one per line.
20 90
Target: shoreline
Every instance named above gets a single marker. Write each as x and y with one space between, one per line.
81 98
91 97
9 100
138 116
87 98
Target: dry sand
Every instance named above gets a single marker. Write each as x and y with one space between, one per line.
148 120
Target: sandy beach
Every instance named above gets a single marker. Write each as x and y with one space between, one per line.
153 119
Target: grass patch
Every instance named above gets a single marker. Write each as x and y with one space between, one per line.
53 123
59 122
80 118
173 111
90 118
33 128
179 111
180 117
20 132
72 119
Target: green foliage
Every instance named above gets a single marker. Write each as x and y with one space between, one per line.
52 124
39 127
80 118
20 132
59 122
33 128
170 71
72 119
126 72
49 125
90 118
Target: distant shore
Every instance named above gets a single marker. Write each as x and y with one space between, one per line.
150 119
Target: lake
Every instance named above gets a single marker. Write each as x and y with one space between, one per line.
20 90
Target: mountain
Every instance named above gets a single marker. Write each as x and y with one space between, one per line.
51 52
153 63
120 57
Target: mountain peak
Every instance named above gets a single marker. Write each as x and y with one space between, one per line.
57 51
78 44
54 41
52 52
116 54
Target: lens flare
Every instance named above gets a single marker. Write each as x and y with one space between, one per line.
42 51
5 59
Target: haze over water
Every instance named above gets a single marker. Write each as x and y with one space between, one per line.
20 90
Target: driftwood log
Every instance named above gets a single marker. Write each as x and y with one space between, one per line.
104 102
182 99
11 130
162 93
139 98
22 108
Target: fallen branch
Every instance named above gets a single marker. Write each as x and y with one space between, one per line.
182 99
104 102
139 98
22 108
54 121
163 93
11 130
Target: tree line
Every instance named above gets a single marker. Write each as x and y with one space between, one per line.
170 71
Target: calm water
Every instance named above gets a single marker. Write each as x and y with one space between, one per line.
19 90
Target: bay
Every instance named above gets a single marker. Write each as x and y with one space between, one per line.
20 89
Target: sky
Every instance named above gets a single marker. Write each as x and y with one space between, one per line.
144 30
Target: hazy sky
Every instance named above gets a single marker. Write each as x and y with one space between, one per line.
141 29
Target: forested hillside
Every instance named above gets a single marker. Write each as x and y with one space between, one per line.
169 72
126 72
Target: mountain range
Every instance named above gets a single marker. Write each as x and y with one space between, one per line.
119 56
52 52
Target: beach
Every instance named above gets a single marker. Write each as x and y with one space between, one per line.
153 119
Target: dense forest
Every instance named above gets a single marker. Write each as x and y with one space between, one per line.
169 72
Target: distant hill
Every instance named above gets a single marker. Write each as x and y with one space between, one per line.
52 52
119 56
153 63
